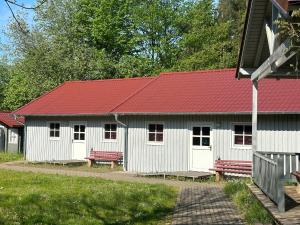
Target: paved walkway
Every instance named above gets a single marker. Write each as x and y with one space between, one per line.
197 203
205 205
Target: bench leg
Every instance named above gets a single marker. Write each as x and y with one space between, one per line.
113 164
219 176
90 163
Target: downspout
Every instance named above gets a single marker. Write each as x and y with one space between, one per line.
125 148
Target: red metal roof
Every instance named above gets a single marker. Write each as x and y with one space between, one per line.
7 119
210 91
214 91
84 97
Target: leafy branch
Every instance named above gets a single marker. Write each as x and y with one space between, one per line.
10 2
290 27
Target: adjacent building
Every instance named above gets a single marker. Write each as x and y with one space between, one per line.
11 133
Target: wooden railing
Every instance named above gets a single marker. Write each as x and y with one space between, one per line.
268 175
291 162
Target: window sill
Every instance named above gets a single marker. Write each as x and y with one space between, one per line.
54 139
155 143
237 147
110 141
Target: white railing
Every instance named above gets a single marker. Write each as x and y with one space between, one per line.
268 175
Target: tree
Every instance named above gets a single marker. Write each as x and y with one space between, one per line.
233 12
4 79
207 43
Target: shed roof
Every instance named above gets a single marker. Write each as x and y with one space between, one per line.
209 91
7 119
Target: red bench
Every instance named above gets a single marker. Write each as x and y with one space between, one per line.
231 166
112 156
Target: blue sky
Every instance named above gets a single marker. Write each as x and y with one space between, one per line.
5 15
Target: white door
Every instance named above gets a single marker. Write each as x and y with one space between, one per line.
201 154
79 141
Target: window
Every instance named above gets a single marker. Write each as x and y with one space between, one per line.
201 136
13 136
155 132
110 131
54 130
79 132
242 135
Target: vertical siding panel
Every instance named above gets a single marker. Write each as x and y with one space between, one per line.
275 133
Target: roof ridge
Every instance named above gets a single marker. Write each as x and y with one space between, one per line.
197 71
41 96
111 79
134 93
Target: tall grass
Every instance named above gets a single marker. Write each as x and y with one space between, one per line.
7 157
249 206
30 198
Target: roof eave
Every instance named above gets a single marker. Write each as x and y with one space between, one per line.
163 114
237 75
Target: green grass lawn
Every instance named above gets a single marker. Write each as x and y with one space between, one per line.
29 198
248 205
6 157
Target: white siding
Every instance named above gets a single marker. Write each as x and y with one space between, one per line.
40 148
275 133
173 155
279 133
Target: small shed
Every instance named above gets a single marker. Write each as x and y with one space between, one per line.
11 133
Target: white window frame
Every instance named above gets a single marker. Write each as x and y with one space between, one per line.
237 146
163 133
210 135
10 132
54 138
110 140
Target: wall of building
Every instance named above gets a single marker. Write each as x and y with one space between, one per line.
279 133
39 147
14 145
174 154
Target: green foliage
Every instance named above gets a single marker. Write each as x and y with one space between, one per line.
252 210
29 198
7 157
208 42
100 39
4 79
290 27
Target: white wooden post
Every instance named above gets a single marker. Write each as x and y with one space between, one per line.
254 114
254 122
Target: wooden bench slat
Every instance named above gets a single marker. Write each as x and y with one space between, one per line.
296 174
233 167
105 155
112 156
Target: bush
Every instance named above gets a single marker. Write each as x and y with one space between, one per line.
249 206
